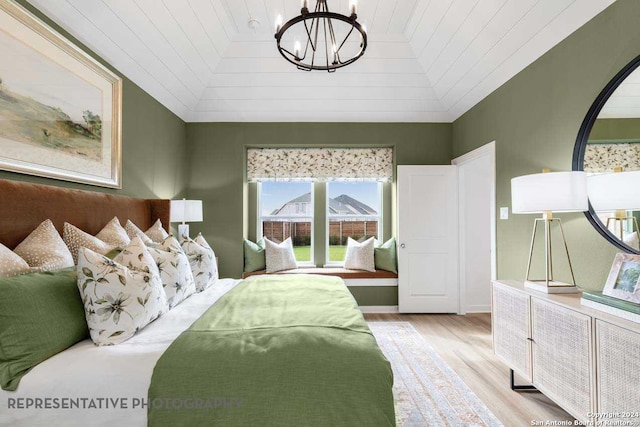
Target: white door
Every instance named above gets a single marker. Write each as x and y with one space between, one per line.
428 239
476 203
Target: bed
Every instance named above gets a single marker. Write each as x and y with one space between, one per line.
272 350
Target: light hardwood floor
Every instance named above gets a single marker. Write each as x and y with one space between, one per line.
464 342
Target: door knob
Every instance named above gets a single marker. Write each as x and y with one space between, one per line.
402 245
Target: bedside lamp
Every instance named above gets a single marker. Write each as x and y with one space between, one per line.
185 211
546 193
619 192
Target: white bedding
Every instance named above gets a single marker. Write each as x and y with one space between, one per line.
117 372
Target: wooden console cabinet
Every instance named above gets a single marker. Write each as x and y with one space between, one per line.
585 360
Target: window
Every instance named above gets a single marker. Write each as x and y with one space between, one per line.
353 210
286 210
335 193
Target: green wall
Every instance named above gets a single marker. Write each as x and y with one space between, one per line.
534 119
153 142
216 161
615 130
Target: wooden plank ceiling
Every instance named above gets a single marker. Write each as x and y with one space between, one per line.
427 60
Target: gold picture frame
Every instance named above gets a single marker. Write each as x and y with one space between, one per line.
624 278
60 109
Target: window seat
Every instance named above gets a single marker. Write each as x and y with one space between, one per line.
351 277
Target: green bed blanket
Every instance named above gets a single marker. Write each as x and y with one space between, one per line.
275 351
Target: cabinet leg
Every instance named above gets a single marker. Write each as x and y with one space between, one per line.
520 387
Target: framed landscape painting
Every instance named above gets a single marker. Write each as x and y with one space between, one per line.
60 110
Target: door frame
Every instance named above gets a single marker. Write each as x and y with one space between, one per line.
488 149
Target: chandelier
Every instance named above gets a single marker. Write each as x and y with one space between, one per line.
331 40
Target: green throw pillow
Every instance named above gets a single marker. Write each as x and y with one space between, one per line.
41 314
385 256
254 259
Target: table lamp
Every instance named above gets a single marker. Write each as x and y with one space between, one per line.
185 211
618 192
546 193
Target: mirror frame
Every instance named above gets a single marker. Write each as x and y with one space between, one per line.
581 146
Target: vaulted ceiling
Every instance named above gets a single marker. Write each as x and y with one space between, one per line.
427 60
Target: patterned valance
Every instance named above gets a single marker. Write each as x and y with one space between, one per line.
604 157
319 164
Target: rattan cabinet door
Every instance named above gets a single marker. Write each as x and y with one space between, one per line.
618 371
562 356
510 316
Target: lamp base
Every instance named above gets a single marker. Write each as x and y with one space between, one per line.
553 288
183 232
548 285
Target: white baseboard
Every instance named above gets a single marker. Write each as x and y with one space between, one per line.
379 309
478 309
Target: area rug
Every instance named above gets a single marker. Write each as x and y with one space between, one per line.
427 391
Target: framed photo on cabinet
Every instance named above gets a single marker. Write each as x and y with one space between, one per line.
60 109
624 277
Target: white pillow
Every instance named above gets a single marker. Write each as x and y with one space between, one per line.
175 271
114 234
279 256
202 261
119 301
136 256
202 242
360 256
156 233
76 239
44 249
11 264
134 231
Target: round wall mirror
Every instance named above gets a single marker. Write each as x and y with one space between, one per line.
609 141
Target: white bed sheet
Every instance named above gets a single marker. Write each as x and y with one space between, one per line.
123 371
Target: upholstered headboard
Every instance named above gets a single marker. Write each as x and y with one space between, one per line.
24 206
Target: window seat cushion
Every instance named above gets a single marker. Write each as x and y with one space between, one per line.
331 271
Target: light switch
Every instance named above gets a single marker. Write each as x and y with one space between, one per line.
504 212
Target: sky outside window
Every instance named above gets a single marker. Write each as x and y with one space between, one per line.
274 195
365 192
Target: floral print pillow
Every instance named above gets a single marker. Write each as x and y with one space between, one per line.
175 271
171 244
202 261
202 242
119 301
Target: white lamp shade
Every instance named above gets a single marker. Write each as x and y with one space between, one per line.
614 191
553 191
186 211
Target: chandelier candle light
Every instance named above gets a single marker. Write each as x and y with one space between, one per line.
331 40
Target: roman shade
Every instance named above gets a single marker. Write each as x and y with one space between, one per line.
320 164
600 158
